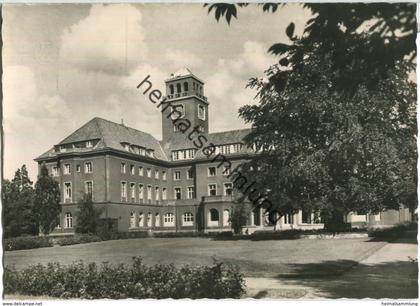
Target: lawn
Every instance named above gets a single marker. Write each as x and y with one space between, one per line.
255 258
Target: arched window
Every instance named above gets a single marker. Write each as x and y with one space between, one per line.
149 220
157 219
171 89
185 86
168 219
69 220
178 88
213 217
226 217
132 219
141 220
188 219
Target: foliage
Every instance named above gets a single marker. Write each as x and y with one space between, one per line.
87 216
88 281
365 40
47 201
238 218
17 198
77 239
336 117
23 243
393 232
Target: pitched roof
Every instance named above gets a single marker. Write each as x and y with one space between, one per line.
111 135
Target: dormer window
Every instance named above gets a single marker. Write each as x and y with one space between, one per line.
89 144
126 147
201 112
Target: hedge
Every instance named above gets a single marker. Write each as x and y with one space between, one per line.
89 281
23 243
77 239
393 232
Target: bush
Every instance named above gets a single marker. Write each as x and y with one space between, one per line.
77 239
88 281
392 232
23 243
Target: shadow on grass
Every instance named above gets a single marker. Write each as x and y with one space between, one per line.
409 237
347 279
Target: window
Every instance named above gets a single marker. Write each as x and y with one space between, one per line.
226 217
67 169
288 219
77 168
63 149
149 194
306 216
185 86
133 192
141 219
201 112
168 219
123 191
190 174
89 188
212 190
123 168
67 191
55 171
132 220
178 88
177 175
187 219
164 194
89 144
69 220
141 193
213 217
177 193
157 174
190 192
140 171
149 172
164 175
226 170
88 167
132 169
171 89
211 171
183 154
228 190
157 219
157 195
149 220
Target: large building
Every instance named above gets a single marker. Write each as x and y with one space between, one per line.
141 183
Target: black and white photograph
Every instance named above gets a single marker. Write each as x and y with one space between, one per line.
252 151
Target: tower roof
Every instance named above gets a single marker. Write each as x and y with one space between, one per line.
182 73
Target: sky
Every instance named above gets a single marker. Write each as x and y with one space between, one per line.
65 64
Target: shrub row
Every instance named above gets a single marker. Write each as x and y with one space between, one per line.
22 243
89 281
76 239
392 232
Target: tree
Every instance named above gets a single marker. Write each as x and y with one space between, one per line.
18 217
87 216
365 39
238 218
336 117
47 201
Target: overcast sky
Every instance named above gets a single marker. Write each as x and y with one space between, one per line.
65 64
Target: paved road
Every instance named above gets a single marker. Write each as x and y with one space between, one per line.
390 272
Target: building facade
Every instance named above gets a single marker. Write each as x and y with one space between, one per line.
142 183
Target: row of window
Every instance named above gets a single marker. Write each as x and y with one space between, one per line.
88 168
183 154
168 219
141 171
138 149
141 193
196 87
229 148
86 144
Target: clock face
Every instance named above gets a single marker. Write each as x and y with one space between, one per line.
176 110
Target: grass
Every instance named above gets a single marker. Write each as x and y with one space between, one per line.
255 258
